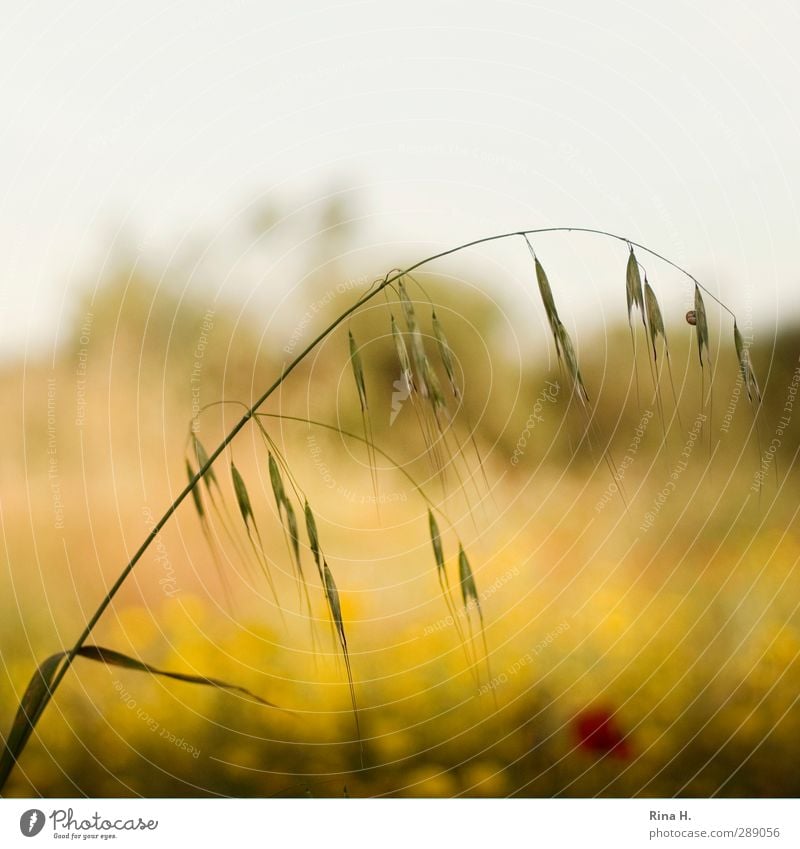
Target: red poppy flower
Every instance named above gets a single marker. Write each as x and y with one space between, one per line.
599 732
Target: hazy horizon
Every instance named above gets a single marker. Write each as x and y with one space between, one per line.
163 128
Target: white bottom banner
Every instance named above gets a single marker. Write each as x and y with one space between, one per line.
331 823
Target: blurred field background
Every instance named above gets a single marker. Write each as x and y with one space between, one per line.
625 659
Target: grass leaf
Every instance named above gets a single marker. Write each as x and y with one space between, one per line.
114 658
22 727
39 686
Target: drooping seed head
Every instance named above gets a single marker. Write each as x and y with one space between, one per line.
407 305
313 535
547 296
242 498
571 361
701 323
202 460
402 355
745 366
276 481
446 354
432 382
655 321
294 534
198 502
334 602
436 541
358 371
469 592
633 286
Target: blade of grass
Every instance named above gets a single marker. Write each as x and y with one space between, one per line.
114 658
40 686
35 695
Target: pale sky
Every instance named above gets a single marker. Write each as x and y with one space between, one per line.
675 124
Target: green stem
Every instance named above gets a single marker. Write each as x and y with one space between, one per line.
287 370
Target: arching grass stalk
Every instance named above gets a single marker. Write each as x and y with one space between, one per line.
49 675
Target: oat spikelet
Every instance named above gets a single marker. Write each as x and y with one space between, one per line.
745 366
